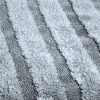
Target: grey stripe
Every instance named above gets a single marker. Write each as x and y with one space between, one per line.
89 43
24 76
72 88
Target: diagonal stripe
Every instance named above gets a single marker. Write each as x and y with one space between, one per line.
89 16
24 76
43 69
72 88
9 86
88 42
80 63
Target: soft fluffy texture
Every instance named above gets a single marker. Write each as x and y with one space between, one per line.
43 56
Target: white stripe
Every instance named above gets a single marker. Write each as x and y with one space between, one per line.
43 69
42 98
82 67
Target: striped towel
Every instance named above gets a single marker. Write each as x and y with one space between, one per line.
49 49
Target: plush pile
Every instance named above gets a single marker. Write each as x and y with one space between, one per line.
49 49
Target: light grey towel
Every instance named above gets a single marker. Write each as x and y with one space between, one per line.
49 49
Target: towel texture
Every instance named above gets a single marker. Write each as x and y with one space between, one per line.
49 49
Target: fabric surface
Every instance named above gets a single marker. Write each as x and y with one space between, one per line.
49 49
